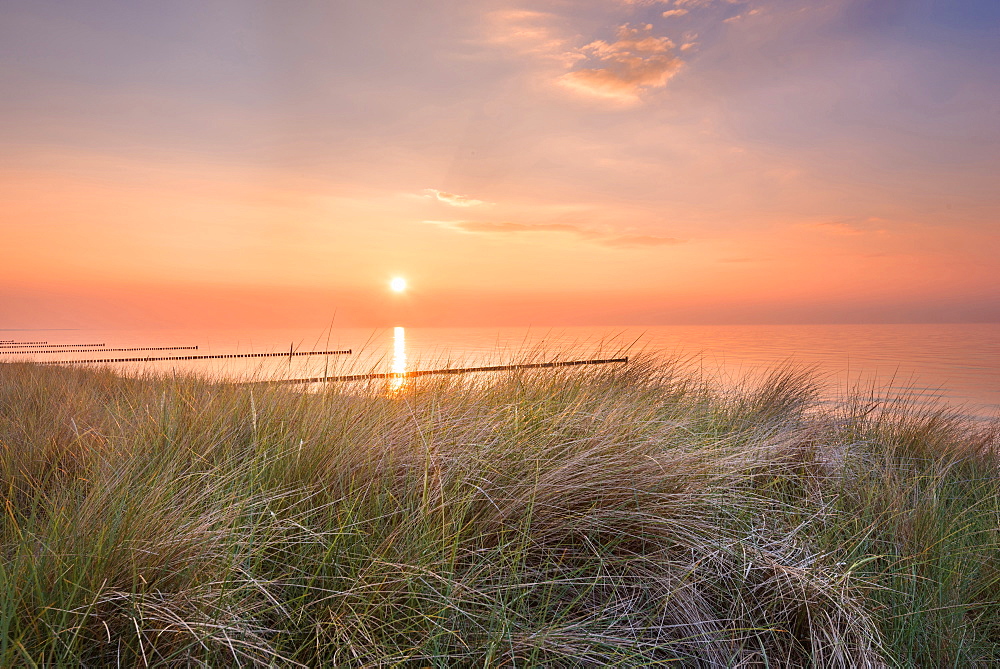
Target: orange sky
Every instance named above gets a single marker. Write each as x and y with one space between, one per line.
674 161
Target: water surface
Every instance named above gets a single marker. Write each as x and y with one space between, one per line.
954 363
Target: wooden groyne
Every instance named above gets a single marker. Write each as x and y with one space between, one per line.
449 370
200 357
44 345
107 350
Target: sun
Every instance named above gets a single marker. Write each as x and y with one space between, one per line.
398 284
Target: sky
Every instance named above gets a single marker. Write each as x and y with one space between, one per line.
554 162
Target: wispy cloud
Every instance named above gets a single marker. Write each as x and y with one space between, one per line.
740 17
636 241
453 199
706 3
681 3
507 227
489 226
853 226
540 35
620 70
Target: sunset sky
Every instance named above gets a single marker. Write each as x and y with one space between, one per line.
554 162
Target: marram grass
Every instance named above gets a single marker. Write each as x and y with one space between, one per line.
621 515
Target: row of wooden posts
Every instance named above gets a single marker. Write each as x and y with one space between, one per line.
446 370
28 344
104 350
290 354
201 357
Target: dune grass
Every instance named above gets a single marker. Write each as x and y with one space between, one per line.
622 515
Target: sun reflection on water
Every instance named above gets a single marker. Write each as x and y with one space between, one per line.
398 358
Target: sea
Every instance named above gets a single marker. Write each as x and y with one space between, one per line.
931 364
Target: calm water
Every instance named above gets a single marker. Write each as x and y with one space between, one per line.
958 364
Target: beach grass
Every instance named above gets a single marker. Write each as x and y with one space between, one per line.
624 515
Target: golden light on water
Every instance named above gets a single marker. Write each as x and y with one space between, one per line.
398 285
398 358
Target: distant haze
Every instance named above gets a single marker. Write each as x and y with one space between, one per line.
590 163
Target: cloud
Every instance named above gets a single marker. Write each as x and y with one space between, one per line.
532 33
453 199
740 17
626 241
485 226
506 227
674 12
853 226
620 70
705 3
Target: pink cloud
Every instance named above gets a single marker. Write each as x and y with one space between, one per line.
740 17
453 199
620 70
705 3
857 226
538 34
506 227
626 241
488 226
